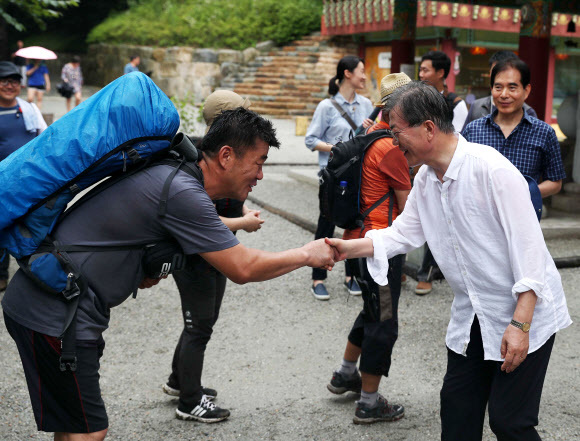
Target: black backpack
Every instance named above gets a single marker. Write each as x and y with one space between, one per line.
340 182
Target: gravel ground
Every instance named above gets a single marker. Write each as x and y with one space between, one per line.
271 356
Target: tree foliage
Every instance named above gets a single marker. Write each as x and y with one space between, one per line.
13 11
235 24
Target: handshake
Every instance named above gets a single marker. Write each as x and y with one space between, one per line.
324 253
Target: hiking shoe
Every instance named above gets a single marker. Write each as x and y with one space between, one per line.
353 287
423 288
341 383
205 412
319 292
208 392
383 411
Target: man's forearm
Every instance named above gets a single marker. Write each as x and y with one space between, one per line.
548 188
525 307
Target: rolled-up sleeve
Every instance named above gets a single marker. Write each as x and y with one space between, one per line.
525 240
404 235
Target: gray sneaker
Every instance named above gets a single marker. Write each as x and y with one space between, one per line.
383 411
341 383
174 392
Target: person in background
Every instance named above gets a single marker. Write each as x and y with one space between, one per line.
485 106
201 288
473 208
435 66
20 122
72 74
334 119
375 330
529 143
38 82
132 65
20 62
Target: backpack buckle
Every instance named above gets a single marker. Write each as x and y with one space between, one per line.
67 363
71 290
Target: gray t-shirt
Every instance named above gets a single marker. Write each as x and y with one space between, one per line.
124 214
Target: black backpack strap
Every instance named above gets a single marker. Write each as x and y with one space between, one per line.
191 168
343 113
390 194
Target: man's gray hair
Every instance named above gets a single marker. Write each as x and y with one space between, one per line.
418 102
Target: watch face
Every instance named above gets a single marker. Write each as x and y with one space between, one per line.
525 327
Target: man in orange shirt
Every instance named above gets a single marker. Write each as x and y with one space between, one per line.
375 330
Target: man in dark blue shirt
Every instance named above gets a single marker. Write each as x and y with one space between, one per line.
19 123
529 143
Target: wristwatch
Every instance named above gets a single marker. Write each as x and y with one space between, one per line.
525 326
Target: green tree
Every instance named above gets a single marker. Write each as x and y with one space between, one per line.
14 12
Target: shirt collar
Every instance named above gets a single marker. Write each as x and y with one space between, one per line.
455 164
340 99
492 115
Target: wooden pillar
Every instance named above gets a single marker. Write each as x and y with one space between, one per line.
534 49
404 32
448 45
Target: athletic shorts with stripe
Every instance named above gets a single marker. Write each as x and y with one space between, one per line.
61 401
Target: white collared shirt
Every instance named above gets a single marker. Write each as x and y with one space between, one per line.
482 230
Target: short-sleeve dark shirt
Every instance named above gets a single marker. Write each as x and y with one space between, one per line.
124 214
13 133
532 146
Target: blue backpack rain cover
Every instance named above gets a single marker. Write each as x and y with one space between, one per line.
121 125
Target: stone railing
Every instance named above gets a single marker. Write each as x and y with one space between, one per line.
181 72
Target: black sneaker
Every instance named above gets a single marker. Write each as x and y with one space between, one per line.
205 412
383 411
341 383
174 392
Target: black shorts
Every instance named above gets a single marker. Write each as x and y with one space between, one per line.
61 401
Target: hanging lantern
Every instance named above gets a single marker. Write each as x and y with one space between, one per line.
477 50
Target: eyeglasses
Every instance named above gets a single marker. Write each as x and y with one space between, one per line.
9 82
397 133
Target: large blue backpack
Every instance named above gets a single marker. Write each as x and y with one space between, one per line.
117 131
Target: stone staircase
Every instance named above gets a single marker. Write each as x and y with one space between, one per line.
290 81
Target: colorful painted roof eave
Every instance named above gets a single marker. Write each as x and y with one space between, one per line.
352 17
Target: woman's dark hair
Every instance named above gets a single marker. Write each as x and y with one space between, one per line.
418 102
350 63
76 59
514 63
239 128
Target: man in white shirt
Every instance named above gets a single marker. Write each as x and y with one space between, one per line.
473 208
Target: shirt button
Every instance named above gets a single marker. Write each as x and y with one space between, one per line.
464 273
449 221
456 248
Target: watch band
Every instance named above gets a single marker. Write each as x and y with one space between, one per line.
525 326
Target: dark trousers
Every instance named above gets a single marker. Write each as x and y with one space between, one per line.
324 229
201 288
428 268
513 400
4 263
376 328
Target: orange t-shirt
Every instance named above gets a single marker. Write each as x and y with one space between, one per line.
384 167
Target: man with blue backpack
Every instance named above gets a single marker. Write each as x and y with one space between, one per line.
103 239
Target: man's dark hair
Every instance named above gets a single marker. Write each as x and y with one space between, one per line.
132 57
239 128
439 60
501 56
514 63
418 102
